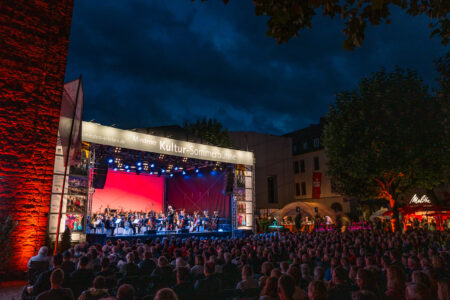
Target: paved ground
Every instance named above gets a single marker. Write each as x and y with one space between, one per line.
11 290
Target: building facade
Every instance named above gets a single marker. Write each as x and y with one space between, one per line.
311 182
274 177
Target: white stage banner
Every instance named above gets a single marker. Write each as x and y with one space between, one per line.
104 135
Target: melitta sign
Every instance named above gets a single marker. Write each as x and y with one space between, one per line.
99 134
417 200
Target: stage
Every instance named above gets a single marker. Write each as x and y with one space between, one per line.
101 239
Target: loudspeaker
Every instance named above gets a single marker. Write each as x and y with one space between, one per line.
150 232
229 182
100 174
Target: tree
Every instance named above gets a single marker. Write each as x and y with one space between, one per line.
66 240
7 226
210 131
386 138
288 17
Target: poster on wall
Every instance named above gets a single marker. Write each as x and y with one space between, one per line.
55 201
78 186
76 203
57 184
240 179
248 182
248 195
74 222
53 223
59 164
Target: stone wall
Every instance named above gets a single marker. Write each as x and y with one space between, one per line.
34 37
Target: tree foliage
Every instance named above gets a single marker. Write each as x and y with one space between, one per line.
288 17
66 240
7 226
210 131
386 137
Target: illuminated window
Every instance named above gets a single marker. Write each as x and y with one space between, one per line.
316 143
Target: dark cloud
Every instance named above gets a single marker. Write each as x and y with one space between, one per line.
150 63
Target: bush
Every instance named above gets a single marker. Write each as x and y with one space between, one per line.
7 226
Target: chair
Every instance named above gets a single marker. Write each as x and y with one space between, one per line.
36 268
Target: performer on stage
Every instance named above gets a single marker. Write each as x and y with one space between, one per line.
170 217
215 221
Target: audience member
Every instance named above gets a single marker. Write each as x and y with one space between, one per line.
56 292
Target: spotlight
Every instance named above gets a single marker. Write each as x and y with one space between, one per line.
128 170
163 171
171 175
196 170
184 172
139 164
115 169
110 160
140 168
176 168
152 165
126 166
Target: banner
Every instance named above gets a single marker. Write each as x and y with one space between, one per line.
316 184
70 120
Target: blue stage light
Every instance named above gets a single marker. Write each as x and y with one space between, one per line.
115 169
152 165
110 161
140 168
171 175
126 166
176 168
196 170
128 170
163 171
138 164
184 172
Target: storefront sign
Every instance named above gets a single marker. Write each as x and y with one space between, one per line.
417 200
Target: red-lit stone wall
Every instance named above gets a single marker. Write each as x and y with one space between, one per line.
34 40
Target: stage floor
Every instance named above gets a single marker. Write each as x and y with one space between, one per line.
99 238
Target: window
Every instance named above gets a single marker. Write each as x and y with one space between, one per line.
294 148
333 187
302 166
297 189
316 143
305 145
316 163
303 188
296 169
272 189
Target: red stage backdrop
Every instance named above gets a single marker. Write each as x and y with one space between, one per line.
199 192
34 39
130 192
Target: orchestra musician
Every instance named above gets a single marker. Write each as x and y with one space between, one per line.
215 221
170 217
136 222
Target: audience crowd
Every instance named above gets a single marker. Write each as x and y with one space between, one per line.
369 265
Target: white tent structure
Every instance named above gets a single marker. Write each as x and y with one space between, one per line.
379 214
306 209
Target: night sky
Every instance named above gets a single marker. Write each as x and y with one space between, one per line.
153 63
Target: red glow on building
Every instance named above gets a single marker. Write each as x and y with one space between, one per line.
33 54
